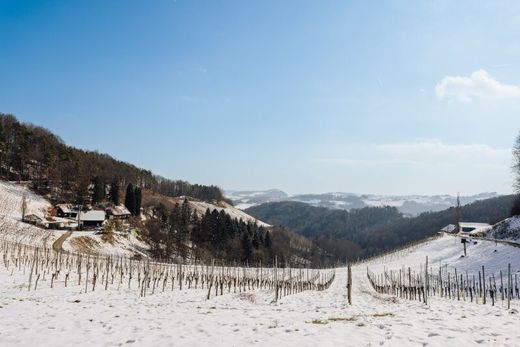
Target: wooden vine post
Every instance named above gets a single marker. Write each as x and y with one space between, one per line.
349 283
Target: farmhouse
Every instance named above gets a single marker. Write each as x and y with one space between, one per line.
118 212
92 218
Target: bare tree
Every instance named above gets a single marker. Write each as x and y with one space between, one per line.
516 165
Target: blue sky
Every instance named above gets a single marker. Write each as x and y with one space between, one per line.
393 97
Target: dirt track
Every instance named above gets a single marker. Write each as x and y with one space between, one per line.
57 245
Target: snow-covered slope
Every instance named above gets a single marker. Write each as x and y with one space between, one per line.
119 316
115 244
448 250
507 230
11 225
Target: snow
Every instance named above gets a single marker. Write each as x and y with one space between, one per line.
67 316
447 250
13 229
202 206
11 225
507 230
114 244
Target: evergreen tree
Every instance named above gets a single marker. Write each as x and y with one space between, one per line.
114 192
138 199
256 240
98 191
247 249
130 199
515 210
185 213
267 240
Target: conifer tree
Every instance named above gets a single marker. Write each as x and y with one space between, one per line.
138 200
98 192
255 242
247 248
114 192
267 240
130 199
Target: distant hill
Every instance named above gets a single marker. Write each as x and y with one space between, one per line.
372 230
410 205
245 199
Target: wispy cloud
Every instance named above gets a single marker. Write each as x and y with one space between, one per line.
421 153
423 165
480 85
436 149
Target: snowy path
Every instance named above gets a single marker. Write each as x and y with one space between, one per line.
185 318
57 246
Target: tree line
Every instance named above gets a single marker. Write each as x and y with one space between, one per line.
181 232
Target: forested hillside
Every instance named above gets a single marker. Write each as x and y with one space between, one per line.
65 173
369 231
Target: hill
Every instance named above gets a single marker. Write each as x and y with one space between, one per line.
64 173
410 205
372 230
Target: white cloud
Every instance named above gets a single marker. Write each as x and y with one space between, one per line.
480 85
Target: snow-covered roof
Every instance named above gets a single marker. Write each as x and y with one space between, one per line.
119 210
92 216
473 228
474 225
33 218
449 228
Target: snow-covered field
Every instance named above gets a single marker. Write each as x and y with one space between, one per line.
67 316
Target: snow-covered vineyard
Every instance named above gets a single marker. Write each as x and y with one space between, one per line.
115 314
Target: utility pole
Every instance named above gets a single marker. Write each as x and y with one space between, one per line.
458 214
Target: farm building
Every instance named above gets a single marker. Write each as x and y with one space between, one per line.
92 218
474 229
467 228
118 212
34 220
66 211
